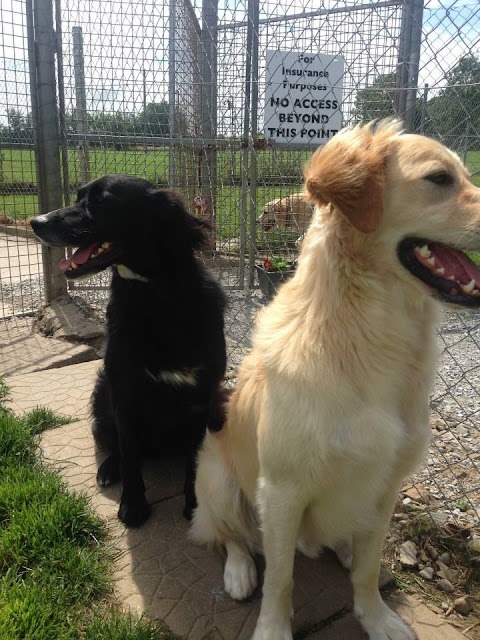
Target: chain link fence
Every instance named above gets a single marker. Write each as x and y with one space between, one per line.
184 95
21 272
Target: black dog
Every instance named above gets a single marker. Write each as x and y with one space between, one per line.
165 354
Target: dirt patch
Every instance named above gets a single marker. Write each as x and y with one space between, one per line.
436 557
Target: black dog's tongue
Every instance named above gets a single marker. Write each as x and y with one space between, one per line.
79 257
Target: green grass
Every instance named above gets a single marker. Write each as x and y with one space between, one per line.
228 206
4 389
19 165
55 562
40 419
475 256
18 206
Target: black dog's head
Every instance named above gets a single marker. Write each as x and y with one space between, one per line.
122 220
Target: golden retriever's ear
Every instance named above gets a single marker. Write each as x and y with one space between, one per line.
349 174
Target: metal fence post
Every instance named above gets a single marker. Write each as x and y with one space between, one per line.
61 106
423 119
47 147
245 158
253 24
413 64
408 62
81 102
208 74
172 64
402 67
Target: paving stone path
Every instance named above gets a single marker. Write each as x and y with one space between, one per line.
159 570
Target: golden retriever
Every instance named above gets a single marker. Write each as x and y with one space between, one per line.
291 212
331 408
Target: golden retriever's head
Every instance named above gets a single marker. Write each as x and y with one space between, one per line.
410 194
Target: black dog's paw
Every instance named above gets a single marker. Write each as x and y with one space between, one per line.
108 472
134 514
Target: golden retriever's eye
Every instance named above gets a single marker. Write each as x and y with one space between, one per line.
440 177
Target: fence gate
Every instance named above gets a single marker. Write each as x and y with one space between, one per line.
365 37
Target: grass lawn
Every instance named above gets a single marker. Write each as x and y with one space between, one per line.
20 207
19 166
55 561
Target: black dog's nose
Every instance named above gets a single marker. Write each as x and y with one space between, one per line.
38 222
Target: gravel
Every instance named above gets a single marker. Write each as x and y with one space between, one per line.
451 474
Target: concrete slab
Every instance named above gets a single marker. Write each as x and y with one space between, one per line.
63 319
66 390
22 351
159 569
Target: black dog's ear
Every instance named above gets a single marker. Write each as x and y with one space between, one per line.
99 192
200 230
185 228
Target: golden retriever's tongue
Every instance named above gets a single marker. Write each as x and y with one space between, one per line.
455 263
79 257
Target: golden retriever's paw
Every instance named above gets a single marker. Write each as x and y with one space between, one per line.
240 574
273 631
387 626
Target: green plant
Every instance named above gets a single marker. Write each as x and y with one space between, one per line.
276 264
463 504
41 418
4 388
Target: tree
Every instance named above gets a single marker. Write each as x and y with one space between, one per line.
154 119
456 109
375 101
19 127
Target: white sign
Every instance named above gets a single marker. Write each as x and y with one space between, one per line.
303 97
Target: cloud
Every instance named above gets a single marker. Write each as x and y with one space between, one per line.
126 44
450 31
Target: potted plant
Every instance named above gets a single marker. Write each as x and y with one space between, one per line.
272 273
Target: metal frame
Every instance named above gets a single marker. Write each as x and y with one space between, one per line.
43 85
49 140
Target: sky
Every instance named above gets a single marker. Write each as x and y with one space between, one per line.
126 48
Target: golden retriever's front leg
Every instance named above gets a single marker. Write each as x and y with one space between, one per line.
281 510
378 620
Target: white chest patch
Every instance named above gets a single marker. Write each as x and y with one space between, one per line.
186 377
128 274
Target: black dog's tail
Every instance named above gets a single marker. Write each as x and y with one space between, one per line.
218 413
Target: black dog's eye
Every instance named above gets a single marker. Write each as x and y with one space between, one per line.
91 207
441 177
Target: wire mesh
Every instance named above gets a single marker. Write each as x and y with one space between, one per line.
448 108
175 93
21 282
